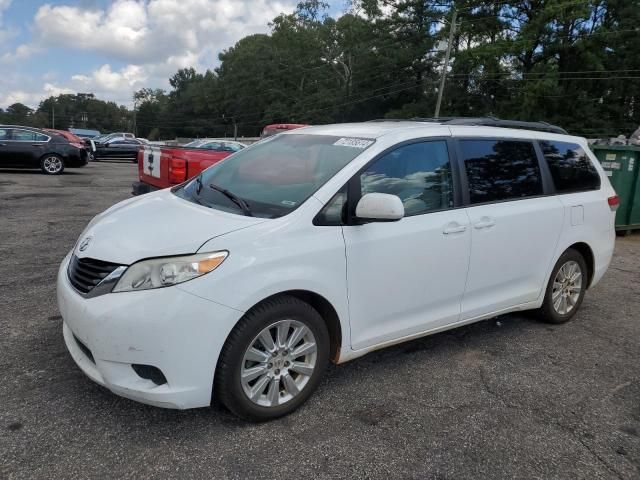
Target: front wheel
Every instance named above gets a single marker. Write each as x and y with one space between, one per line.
273 360
566 288
52 165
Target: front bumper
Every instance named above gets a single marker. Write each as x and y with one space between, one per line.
177 332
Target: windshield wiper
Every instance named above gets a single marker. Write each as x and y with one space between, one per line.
234 198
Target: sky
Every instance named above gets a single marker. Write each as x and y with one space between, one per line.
114 47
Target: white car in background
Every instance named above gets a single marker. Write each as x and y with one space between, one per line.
325 243
216 144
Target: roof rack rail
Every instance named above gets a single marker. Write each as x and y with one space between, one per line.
495 122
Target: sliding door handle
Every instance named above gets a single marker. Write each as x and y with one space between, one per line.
485 222
454 227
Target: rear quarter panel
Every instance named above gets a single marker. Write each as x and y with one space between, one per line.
589 219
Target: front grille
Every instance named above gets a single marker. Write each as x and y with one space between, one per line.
86 273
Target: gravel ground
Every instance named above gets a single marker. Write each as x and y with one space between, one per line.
503 398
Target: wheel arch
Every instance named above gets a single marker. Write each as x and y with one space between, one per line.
587 253
326 310
51 154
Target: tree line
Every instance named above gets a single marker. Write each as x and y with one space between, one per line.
570 62
80 110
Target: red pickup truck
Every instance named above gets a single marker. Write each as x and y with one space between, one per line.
164 166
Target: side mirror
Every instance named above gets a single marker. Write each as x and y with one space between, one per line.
380 207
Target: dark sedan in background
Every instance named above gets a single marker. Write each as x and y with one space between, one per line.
26 147
118 148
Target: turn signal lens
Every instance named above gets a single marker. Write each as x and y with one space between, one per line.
614 202
209 264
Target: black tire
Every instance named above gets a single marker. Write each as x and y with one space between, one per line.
548 312
228 387
52 164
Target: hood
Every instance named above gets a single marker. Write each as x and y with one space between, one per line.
155 225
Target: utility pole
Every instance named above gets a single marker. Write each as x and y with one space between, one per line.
235 129
452 31
53 117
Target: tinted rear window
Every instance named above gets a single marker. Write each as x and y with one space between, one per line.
500 170
570 167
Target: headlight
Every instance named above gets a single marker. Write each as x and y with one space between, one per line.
164 272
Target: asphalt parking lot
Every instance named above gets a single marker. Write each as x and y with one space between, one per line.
504 398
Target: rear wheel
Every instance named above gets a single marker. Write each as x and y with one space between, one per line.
566 288
273 359
52 164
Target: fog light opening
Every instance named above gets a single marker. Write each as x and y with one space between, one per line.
149 372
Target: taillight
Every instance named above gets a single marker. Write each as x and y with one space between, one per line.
177 170
614 202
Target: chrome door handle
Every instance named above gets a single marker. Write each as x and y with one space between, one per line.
454 228
485 222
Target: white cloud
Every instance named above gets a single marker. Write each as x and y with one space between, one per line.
105 80
5 32
138 32
51 89
22 52
152 38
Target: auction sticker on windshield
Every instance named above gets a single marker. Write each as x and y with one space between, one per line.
354 142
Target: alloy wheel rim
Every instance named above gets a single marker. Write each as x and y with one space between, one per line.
567 287
278 363
52 164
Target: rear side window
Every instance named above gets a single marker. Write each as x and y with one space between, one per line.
571 168
418 173
500 170
28 136
4 134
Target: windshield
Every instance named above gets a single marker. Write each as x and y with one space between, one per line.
273 177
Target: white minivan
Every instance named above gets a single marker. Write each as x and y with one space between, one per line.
325 243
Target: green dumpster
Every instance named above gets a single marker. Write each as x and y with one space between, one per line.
622 165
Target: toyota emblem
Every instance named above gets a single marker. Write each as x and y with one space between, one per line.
84 244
